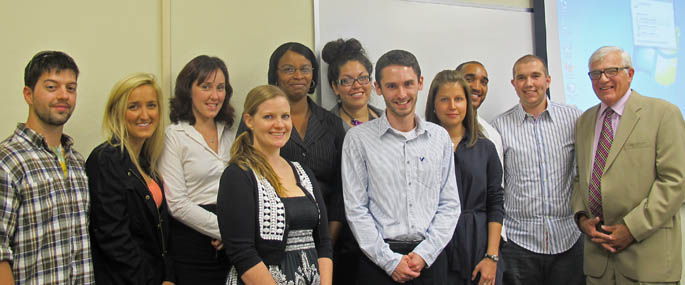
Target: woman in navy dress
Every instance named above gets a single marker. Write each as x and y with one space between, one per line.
473 252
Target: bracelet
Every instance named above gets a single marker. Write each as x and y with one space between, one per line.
494 258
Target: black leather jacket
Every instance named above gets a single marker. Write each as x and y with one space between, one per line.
128 232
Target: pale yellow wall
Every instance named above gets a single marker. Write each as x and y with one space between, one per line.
242 33
107 39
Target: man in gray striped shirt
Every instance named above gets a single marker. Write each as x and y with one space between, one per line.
399 183
538 142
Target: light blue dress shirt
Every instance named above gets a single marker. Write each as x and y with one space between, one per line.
539 165
399 186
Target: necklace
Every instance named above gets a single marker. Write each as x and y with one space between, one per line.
353 121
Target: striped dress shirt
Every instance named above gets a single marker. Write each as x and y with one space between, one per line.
399 186
539 166
43 213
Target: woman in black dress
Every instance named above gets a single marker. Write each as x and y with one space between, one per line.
128 215
271 213
473 252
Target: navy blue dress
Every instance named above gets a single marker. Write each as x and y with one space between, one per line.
479 179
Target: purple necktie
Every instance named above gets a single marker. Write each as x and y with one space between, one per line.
606 137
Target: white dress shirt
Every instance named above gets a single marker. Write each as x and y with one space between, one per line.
539 166
399 186
493 135
191 171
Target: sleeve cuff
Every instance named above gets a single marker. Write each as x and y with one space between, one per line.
577 217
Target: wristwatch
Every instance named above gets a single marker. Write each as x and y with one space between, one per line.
494 258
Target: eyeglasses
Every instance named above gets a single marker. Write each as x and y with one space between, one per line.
609 72
289 69
347 81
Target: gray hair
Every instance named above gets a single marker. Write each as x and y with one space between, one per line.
602 52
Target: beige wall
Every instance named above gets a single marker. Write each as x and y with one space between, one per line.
107 39
242 33
111 39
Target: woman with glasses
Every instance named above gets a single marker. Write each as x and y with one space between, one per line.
473 252
317 136
196 151
349 74
128 215
271 212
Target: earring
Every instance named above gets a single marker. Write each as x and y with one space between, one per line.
312 84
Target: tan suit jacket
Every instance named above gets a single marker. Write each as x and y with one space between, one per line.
642 187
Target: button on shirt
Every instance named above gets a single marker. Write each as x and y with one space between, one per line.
539 166
43 213
399 186
191 172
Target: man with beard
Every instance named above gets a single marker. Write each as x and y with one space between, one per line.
43 187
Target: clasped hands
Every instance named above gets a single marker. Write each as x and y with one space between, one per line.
616 238
409 268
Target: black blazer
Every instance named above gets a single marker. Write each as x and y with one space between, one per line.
238 215
128 232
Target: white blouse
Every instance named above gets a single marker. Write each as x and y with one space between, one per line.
191 171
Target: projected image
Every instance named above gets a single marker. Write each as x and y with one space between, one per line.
648 29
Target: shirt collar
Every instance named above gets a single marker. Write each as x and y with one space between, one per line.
619 106
549 112
385 127
39 140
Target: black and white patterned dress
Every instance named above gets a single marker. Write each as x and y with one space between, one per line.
300 264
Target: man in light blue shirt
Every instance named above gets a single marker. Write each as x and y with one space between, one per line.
544 244
399 183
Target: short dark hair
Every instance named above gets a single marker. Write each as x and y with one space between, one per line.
300 49
397 57
529 58
197 70
337 53
46 61
461 66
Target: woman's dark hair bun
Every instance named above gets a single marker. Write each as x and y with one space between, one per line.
341 49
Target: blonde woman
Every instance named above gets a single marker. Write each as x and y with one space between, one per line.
129 225
271 212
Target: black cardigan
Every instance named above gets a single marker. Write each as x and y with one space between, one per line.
128 233
238 215
320 151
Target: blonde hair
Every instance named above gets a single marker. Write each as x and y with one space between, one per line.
243 152
114 122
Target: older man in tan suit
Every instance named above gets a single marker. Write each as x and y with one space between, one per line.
629 188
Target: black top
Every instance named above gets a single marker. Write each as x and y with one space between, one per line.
479 179
238 211
128 232
301 213
320 151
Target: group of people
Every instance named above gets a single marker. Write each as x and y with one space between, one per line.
290 193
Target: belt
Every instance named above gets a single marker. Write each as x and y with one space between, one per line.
402 247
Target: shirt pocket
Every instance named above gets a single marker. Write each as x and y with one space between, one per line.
428 177
39 197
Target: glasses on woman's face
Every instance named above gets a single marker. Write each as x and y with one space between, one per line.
609 72
289 69
349 81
